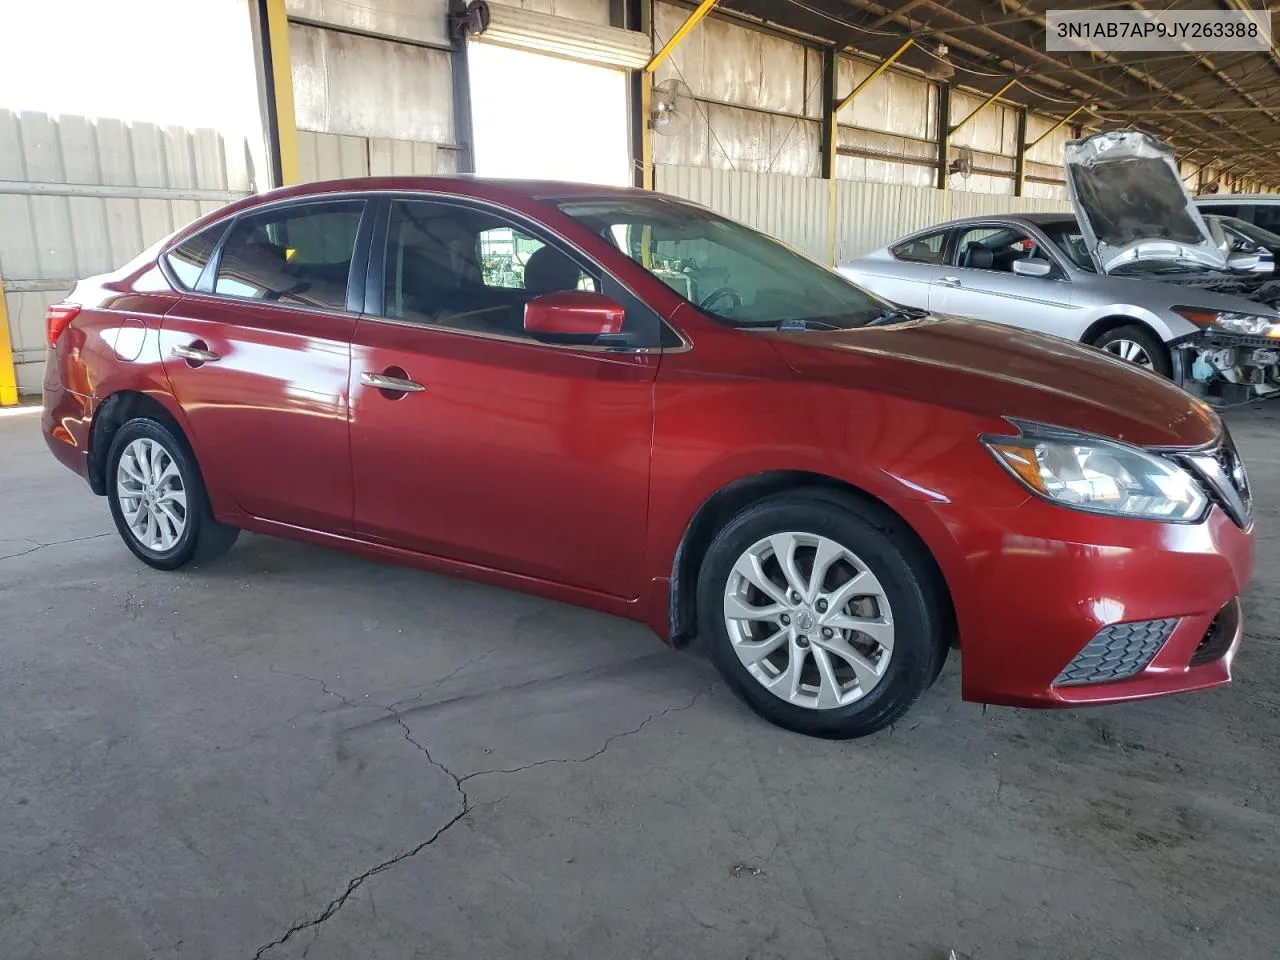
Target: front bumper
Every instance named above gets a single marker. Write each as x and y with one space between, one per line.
1033 585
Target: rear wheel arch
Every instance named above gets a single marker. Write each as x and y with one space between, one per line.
730 500
113 413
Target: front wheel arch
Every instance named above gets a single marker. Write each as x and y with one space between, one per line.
1142 333
730 500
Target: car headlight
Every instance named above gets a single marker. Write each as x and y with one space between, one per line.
1098 475
1225 321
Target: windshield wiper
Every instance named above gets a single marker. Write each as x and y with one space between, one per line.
896 314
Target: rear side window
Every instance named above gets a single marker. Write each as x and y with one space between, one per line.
299 255
188 259
921 249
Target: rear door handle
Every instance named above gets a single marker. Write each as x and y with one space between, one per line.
949 282
381 381
195 354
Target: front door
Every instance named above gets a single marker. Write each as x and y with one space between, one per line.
486 445
981 284
260 360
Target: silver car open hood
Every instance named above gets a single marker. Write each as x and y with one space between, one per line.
1132 204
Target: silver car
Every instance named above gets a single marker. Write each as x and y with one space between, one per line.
1135 272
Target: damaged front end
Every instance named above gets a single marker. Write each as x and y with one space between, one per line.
1233 356
1138 221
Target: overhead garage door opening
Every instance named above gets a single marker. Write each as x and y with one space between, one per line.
536 116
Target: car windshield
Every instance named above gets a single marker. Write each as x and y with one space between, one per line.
733 273
1066 236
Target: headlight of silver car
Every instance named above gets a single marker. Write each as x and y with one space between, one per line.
1250 324
1098 475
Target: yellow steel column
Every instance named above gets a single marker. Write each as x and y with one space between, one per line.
8 370
682 31
282 92
646 85
833 120
646 136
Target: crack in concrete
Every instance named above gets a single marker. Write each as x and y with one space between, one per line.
53 543
354 884
605 746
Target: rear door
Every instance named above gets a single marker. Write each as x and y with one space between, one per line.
980 282
258 356
501 450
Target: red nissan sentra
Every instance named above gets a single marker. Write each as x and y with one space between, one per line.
624 401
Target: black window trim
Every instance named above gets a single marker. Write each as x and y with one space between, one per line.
944 232
171 275
356 272
376 276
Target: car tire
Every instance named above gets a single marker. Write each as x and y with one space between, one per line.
812 682
1121 342
158 499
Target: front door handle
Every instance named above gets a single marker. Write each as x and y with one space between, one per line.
195 353
949 282
381 381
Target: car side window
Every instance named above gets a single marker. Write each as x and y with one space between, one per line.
1267 216
188 259
926 249
469 269
995 248
299 255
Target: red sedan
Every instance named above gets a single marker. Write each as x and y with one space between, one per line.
622 400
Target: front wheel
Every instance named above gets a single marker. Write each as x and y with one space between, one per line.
158 499
1138 345
820 615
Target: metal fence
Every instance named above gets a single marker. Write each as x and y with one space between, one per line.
80 196
797 210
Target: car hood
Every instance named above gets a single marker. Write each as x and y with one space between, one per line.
1132 204
996 371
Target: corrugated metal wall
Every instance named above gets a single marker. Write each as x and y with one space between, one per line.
380 104
793 209
757 98
331 156
868 215
80 196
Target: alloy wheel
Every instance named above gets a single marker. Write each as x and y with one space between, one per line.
1128 350
151 495
809 620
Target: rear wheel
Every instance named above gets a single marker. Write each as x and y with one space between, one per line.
158 499
1138 345
820 616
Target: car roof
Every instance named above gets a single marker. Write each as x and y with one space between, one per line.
464 185
516 194
1042 219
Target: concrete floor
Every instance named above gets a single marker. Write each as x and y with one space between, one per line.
297 753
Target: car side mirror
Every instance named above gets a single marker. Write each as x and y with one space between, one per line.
573 316
1244 262
1032 267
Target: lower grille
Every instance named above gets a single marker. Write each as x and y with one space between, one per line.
1116 652
1218 638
